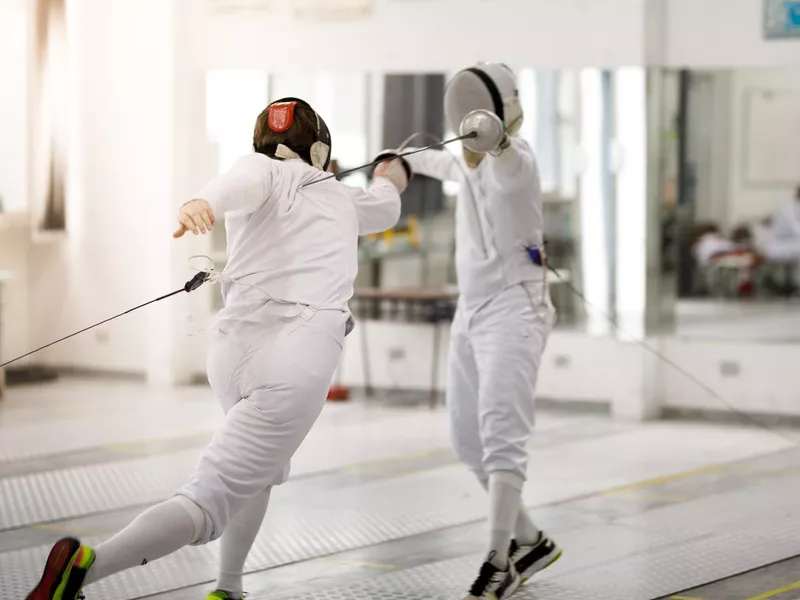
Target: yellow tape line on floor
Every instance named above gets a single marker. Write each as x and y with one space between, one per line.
777 592
669 478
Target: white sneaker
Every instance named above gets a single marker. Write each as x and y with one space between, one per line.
493 583
529 560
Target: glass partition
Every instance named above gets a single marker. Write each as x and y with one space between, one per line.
590 131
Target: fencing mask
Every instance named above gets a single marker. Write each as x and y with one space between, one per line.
290 128
488 86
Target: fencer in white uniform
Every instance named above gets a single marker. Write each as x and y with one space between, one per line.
292 263
502 322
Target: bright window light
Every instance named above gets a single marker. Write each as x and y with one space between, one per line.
594 256
234 99
631 215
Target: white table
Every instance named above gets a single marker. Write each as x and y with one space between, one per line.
5 276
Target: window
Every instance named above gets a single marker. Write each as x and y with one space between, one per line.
233 101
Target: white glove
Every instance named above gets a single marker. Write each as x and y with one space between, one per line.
394 171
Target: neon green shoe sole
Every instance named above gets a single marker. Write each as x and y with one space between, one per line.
64 572
223 595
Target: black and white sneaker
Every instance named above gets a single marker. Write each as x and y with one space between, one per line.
529 560
494 584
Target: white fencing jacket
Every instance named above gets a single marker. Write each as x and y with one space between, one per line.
498 214
292 244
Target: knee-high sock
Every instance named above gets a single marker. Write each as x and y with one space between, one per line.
157 532
237 541
525 530
505 499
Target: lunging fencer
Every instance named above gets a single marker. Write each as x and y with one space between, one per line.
504 313
273 350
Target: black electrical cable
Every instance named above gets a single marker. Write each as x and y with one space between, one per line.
190 286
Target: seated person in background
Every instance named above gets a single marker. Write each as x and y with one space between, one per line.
712 249
710 243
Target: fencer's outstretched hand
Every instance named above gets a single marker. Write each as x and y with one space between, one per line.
394 171
196 216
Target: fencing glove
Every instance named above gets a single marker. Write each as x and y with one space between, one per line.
397 171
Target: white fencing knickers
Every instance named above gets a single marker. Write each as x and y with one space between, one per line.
494 362
272 375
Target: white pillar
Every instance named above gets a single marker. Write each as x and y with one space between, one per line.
643 302
596 275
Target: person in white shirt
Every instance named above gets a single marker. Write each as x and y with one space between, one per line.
292 263
502 322
783 241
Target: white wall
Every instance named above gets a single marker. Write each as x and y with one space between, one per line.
621 374
14 233
14 299
13 101
722 33
765 382
425 36
120 188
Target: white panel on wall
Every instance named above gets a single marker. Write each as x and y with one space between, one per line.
771 149
749 377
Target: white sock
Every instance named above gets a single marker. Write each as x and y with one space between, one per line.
236 542
157 532
526 533
505 498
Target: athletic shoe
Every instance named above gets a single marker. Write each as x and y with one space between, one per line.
64 572
529 560
223 595
494 584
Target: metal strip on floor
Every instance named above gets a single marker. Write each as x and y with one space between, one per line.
58 495
625 562
641 557
68 493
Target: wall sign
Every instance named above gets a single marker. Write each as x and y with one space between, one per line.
781 19
238 6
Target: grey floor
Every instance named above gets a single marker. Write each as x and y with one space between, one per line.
778 581
378 506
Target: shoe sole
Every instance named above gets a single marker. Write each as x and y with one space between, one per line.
65 555
514 588
536 569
